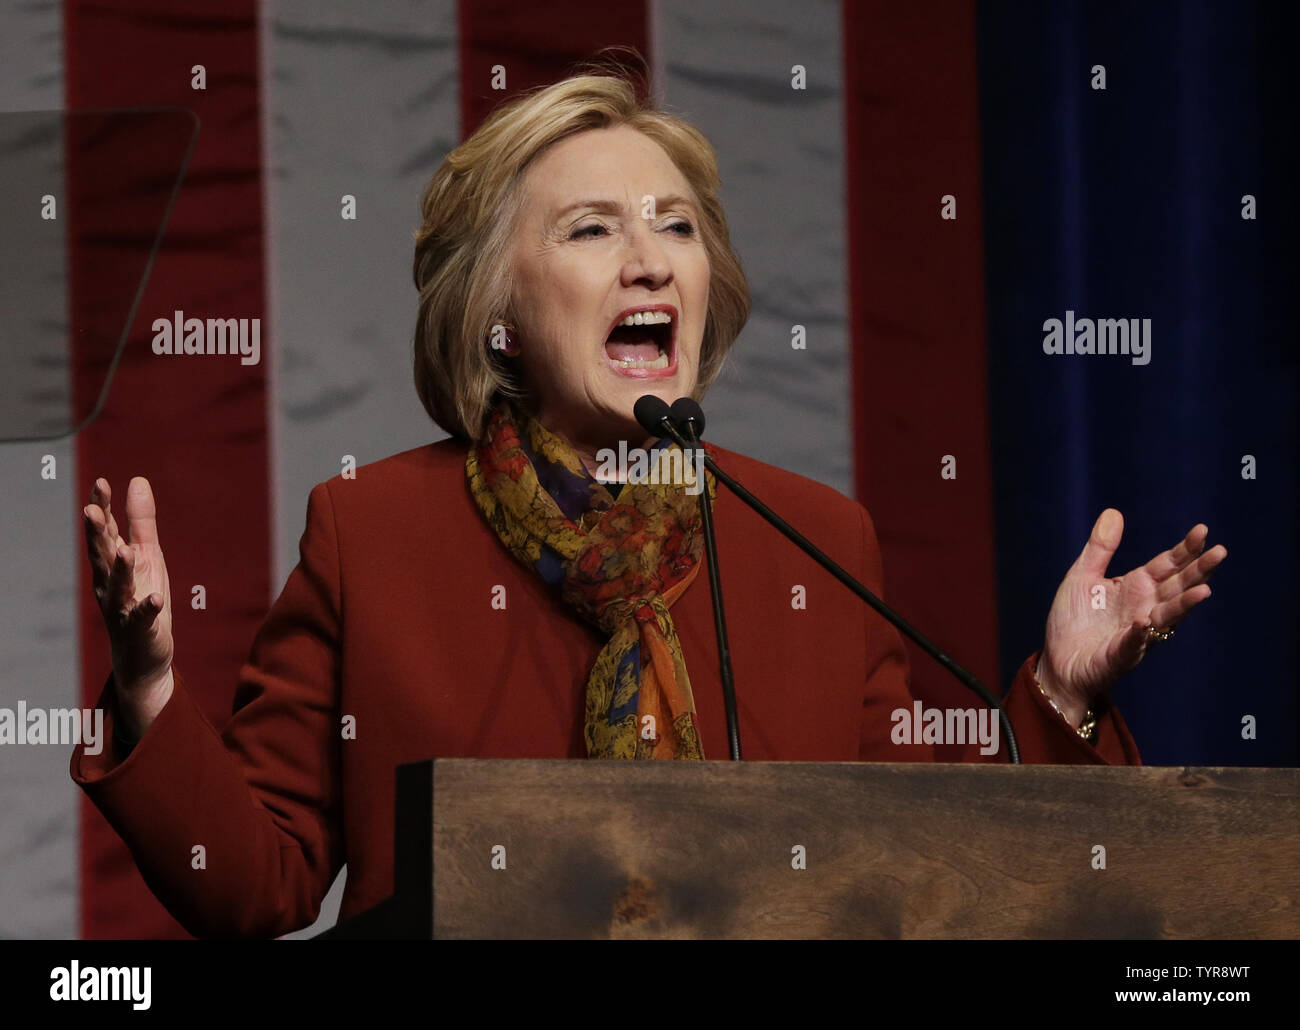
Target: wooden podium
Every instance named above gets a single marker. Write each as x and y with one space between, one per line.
578 849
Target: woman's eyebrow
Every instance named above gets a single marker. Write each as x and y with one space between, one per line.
614 207
607 207
674 200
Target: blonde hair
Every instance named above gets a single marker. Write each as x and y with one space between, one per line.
470 208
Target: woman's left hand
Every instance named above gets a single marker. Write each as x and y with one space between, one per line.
1097 628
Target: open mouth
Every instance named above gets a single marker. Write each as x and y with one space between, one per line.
641 343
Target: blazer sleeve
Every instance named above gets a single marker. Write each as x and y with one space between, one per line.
260 798
1043 736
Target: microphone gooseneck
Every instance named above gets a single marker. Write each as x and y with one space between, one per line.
656 418
690 427
686 420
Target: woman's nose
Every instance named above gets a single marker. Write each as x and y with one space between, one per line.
645 260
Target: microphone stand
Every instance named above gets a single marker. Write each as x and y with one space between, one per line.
686 436
689 441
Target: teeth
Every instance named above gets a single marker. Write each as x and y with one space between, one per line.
647 318
659 362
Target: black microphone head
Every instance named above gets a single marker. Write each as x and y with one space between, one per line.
650 412
684 410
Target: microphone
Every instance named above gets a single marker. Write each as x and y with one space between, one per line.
689 416
688 419
656 418
653 415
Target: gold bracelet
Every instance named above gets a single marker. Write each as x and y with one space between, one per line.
1086 729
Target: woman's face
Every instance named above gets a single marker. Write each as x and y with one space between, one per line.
608 228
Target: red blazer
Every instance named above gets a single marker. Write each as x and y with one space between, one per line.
388 618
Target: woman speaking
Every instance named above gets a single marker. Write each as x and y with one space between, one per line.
508 592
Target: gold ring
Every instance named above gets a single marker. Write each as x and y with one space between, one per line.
1159 635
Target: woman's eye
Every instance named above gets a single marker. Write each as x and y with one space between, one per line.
682 228
588 231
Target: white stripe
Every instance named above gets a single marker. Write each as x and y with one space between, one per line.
360 99
42 544
727 69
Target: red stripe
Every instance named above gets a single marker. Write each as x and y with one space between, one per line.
536 44
917 301
196 427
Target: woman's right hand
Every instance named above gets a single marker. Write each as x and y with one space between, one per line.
130 582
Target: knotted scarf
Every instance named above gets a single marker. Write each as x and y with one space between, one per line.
620 564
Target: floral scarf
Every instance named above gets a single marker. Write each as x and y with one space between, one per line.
621 564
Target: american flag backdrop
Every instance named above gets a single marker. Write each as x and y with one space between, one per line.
917 186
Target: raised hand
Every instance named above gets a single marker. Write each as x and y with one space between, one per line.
130 582
1088 646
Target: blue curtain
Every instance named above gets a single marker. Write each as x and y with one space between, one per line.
1122 203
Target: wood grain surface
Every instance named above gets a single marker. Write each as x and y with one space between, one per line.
680 850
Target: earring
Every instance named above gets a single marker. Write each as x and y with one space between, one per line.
503 339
